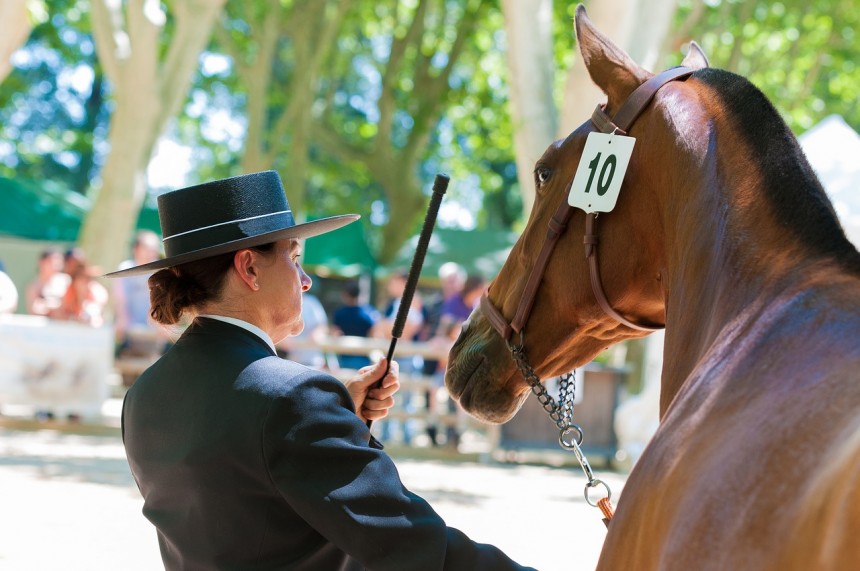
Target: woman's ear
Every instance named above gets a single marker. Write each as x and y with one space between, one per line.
244 262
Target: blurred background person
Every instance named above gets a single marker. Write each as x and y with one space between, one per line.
394 289
355 319
458 308
455 310
73 258
45 293
136 332
137 335
85 298
451 279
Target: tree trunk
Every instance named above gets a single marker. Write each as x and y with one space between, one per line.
528 24
106 231
311 28
14 31
406 202
149 90
646 41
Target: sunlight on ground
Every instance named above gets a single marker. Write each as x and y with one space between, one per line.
75 494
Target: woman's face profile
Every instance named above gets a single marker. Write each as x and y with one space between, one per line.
282 281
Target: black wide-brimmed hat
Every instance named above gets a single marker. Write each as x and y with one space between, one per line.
227 215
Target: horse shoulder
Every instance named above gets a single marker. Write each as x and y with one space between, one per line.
827 524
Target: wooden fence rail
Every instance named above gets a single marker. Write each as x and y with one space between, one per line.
408 421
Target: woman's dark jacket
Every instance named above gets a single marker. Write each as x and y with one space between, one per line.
248 461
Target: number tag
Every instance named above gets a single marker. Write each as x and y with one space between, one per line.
601 169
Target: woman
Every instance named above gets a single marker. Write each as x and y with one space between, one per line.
248 461
84 300
45 293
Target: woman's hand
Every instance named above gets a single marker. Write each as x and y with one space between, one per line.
373 403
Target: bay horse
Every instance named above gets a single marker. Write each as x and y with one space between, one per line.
723 234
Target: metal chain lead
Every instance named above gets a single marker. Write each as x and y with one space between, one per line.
561 412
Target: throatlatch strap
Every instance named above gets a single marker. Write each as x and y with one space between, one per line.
590 240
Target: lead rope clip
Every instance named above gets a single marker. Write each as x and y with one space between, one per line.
570 438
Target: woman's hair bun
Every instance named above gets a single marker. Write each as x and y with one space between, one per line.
170 294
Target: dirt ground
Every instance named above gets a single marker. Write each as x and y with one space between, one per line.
69 502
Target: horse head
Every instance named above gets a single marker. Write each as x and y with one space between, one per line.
566 326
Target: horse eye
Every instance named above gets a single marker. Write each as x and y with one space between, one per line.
542 175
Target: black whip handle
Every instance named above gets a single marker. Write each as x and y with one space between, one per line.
440 185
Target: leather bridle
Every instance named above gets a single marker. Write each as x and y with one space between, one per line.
635 104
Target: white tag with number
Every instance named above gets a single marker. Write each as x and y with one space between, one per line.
600 173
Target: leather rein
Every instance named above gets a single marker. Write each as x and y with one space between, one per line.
635 104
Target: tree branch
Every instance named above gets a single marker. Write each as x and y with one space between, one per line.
682 34
737 48
318 43
334 144
108 35
259 80
194 23
431 100
811 78
387 101
229 45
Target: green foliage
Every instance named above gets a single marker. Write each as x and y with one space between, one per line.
801 54
366 130
378 125
52 106
475 138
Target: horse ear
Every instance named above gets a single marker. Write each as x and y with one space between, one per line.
611 69
695 58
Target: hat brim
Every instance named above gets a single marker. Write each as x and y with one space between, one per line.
304 230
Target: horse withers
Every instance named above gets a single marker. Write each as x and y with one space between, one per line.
722 233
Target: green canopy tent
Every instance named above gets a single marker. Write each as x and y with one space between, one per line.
481 251
46 210
343 253
40 211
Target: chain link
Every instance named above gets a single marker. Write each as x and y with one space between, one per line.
561 412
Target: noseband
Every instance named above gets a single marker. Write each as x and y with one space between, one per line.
620 124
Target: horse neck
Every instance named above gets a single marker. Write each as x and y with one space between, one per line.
728 258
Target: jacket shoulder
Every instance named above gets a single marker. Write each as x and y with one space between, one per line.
276 377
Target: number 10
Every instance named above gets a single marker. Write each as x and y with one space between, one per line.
602 186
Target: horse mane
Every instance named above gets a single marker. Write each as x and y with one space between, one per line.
791 186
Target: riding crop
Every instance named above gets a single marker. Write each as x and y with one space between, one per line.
440 185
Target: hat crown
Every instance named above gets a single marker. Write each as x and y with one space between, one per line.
223 211
221 202
226 215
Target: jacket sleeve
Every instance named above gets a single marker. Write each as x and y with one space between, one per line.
318 458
